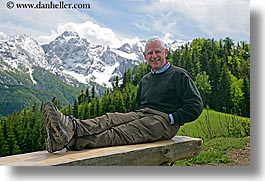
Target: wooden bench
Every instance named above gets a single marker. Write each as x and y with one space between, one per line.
147 154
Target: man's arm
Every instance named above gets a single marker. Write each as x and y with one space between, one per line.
192 103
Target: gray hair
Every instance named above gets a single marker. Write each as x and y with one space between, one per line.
163 46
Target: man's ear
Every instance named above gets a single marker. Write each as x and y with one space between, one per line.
166 52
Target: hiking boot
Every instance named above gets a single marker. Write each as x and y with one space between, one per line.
60 129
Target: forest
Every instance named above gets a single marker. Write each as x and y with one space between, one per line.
220 69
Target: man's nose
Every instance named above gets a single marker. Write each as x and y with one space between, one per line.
154 55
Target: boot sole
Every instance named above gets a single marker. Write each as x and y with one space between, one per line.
47 126
52 128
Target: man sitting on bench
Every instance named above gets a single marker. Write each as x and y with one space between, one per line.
167 98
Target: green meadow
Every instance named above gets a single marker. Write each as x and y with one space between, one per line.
220 133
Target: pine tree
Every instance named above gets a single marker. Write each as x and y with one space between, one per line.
13 147
87 95
203 84
97 108
245 105
93 92
224 87
4 148
236 92
80 98
86 114
75 109
105 104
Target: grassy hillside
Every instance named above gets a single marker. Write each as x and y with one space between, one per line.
212 124
221 152
223 135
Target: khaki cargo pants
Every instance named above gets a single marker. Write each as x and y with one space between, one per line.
111 129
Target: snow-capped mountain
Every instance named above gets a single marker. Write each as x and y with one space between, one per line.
21 53
87 62
70 56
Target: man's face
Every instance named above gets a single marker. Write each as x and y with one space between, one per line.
155 55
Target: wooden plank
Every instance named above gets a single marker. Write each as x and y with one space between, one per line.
156 153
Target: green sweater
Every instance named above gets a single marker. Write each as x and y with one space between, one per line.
172 92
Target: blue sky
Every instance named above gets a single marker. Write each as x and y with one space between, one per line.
115 21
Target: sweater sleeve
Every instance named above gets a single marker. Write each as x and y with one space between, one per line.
192 104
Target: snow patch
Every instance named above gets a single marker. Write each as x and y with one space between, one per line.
130 56
30 75
103 77
80 77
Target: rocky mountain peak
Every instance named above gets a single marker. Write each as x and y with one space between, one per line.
68 35
126 48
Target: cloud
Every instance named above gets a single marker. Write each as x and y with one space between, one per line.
186 18
93 32
219 17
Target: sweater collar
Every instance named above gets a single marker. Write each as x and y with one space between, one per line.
163 69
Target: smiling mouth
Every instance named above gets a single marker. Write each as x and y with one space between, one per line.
155 60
